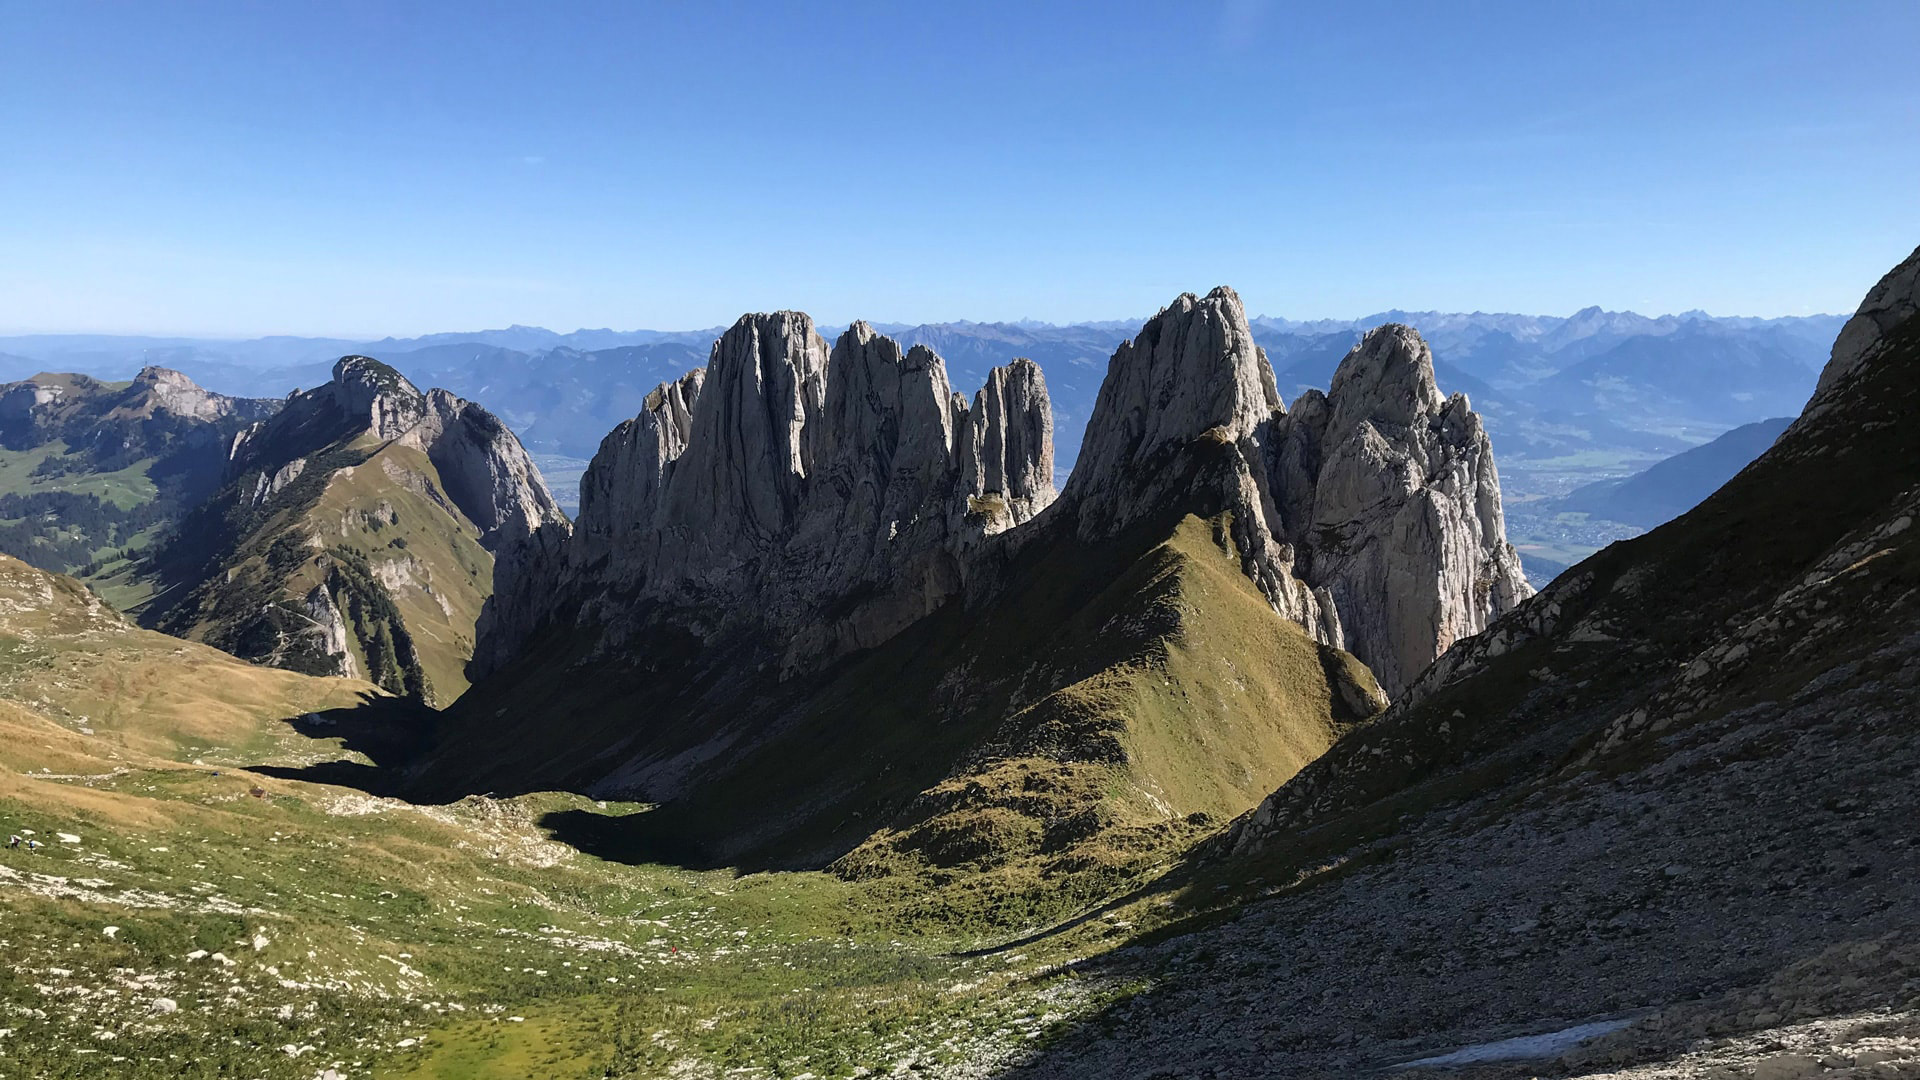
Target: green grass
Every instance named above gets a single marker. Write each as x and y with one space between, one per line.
998 766
358 501
394 940
125 488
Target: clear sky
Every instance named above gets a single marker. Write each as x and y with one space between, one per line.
372 168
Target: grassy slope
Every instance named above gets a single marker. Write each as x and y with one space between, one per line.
1001 764
126 488
431 547
390 508
381 938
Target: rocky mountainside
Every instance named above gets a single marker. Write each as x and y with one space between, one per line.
765 499
355 534
825 610
90 469
1664 796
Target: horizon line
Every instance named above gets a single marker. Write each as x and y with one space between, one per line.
358 339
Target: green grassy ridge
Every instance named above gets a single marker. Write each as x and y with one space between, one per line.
391 939
1056 739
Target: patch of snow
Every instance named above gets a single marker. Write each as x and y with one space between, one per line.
1544 1046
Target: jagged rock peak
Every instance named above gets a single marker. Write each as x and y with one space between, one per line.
1193 368
621 489
1394 494
1006 446
751 444
1893 300
825 498
1387 379
366 387
888 417
1369 514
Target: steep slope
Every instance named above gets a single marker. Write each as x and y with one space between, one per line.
999 762
1676 485
765 502
1392 492
822 611
356 535
1669 791
89 469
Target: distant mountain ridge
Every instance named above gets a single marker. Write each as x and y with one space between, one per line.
1567 400
1678 484
92 470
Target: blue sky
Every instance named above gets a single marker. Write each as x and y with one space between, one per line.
373 168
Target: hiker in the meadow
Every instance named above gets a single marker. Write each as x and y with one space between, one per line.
33 847
13 841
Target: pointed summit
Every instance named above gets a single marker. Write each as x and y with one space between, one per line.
1387 379
1192 370
1405 528
744 465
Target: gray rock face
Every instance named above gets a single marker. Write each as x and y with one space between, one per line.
1193 369
829 498
487 473
1403 533
159 389
1892 301
366 388
820 497
751 443
331 628
620 493
1370 515
1006 448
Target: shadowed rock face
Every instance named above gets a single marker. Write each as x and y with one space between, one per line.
620 493
817 497
1007 447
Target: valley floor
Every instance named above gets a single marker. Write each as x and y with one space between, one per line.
201 919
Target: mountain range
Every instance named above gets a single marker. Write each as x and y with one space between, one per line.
843 732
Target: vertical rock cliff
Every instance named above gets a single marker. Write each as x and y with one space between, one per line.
1370 514
827 498
811 496
1006 448
1392 495
825 611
